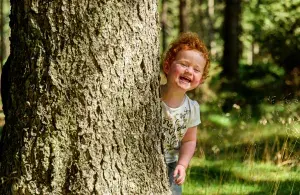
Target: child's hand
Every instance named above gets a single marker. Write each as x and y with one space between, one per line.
179 174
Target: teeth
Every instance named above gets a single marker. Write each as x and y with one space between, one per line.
186 79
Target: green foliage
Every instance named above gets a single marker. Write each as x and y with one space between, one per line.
256 83
275 26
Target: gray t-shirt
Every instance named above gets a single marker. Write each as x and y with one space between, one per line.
175 123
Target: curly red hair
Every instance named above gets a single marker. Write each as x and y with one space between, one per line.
187 41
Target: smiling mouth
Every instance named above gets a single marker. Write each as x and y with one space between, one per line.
185 79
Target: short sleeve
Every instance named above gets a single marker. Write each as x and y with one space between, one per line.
195 114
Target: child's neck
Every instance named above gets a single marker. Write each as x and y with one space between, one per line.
171 97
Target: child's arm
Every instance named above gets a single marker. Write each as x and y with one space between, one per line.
187 149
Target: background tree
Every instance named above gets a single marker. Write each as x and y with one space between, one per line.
231 33
83 115
211 40
183 23
164 24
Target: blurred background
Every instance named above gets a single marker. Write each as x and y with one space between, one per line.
248 142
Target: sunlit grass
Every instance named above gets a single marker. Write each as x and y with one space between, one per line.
231 177
215 188
252 171
239 154
247 133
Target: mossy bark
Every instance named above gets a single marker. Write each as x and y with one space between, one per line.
83 114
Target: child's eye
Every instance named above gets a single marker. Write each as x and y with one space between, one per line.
184 65
196 70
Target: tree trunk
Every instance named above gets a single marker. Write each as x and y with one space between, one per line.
183 26
200 18
83 115
231 35
212 42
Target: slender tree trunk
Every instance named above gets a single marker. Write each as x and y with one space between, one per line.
164 24
201 18
183 26
211 14
83 115
231 35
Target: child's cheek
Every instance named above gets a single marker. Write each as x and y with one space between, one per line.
178 70
197 81
175 71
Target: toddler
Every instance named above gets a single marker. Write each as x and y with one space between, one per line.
186 66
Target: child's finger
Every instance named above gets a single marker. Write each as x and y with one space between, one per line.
180 181
180 178
175 172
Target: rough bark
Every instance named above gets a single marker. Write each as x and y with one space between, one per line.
83 115
231 33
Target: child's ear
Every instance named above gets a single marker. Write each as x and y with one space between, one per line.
166 68
201 81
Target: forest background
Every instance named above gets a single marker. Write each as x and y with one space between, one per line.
248 142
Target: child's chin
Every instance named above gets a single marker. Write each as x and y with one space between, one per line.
188 88
185 87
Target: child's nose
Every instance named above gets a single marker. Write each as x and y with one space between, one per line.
189 69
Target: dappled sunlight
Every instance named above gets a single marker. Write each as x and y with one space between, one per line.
261 172
231 177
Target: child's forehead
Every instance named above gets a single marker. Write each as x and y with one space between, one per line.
188 55
193 57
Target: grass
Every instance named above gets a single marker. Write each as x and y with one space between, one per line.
230 177
239 155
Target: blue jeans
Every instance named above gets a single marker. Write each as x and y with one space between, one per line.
176 189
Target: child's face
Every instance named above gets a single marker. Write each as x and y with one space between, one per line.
186 70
